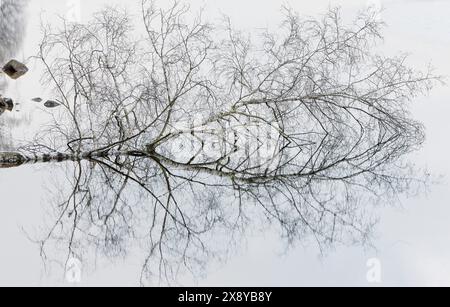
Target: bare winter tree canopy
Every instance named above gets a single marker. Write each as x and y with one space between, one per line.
180 130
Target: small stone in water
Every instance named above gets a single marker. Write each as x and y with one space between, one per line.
51 104
15 69
6 104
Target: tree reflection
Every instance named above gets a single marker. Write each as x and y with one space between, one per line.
182 139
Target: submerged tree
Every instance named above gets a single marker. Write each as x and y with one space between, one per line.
192 131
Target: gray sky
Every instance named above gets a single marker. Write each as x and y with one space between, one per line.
412 242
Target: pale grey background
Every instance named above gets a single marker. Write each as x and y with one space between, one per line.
412 242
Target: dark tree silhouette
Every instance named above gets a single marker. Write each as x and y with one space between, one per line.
184 133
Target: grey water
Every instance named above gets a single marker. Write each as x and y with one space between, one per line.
413 243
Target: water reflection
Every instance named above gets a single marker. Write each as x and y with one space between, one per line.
12 32
153 169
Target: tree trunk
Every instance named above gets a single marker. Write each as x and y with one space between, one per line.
11 159
15 159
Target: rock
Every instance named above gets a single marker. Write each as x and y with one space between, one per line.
15 69
6 104
51 104
9 104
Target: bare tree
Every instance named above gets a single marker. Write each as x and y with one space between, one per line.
193 131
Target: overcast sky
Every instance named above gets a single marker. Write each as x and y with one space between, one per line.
413 243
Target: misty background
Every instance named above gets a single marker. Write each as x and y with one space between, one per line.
412 242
